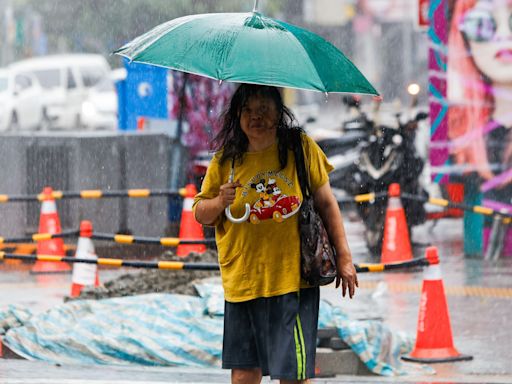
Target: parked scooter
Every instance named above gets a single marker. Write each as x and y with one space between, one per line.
343 151
388 155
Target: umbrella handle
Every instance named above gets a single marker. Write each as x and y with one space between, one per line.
240 219
228 209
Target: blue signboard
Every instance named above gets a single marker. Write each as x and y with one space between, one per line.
142 94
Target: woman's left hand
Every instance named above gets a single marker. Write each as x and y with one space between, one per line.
347 276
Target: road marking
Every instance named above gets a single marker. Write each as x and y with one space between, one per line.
466 290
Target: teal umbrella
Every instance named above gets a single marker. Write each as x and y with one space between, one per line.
248 48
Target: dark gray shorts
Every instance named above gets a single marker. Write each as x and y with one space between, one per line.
276 334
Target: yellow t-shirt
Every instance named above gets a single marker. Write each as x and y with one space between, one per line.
261 257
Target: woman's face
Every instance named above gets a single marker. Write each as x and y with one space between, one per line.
488 30
259 117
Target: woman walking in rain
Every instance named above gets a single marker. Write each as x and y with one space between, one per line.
271 315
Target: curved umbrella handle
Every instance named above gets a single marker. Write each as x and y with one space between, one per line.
240 219
228 209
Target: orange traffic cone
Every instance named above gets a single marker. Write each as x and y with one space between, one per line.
434 342
49 222
189 227
396 245
84 274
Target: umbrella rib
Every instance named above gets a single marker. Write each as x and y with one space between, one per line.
239 81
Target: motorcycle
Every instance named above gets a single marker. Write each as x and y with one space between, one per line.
343 151
387 155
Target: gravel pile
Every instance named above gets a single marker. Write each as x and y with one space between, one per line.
154 280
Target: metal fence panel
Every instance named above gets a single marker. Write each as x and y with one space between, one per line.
78 161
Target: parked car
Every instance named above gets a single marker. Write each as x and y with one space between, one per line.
100 108
65 80
21 106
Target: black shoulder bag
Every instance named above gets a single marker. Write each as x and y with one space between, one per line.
317 255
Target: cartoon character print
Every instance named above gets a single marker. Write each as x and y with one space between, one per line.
262 191
273 191
272 203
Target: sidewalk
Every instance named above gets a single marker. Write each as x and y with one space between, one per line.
480 320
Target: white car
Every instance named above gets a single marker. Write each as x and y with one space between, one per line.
100 108
21 102
65 80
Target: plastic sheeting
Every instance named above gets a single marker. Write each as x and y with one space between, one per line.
170 329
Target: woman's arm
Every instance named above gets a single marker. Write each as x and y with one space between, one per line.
208 210
328 209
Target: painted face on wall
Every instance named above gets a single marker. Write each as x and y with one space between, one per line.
488 30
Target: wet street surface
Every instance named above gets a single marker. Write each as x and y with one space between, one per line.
29 372
478 295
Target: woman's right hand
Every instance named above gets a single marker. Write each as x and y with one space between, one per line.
227 193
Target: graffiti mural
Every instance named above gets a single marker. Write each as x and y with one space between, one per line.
479 93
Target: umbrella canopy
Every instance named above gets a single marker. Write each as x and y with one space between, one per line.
248 48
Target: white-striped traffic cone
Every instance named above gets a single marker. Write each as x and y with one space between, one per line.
84 274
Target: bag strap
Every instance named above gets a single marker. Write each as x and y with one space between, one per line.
301 168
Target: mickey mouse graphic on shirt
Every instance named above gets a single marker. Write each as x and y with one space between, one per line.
273 191
261 188
272 203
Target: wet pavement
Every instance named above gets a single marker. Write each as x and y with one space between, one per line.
30 372
480 318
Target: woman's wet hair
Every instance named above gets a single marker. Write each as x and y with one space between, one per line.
233 141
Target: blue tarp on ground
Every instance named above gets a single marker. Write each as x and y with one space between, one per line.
169 329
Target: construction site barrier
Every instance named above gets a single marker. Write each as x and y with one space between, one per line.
94 194
122 239
39 237
362 198
178 265
145 193
165 241
368 197
507 218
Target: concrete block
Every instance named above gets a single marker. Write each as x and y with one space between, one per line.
330 363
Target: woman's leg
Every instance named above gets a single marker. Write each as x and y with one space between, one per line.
246 376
